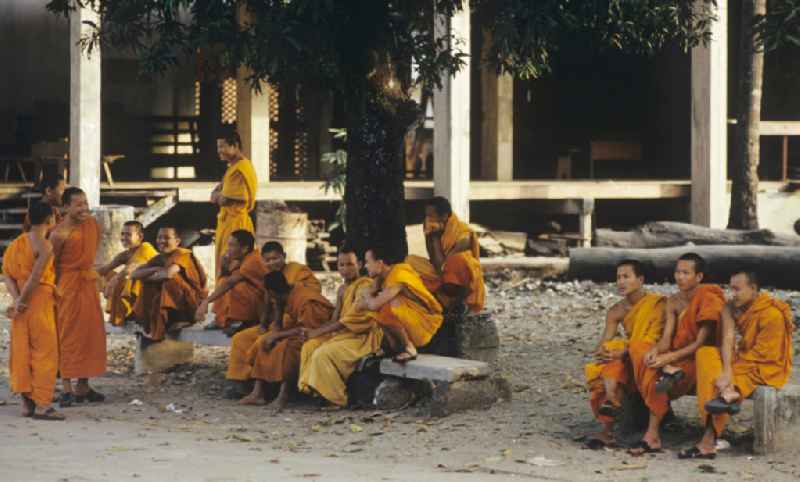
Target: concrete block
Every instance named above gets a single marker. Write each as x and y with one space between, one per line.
394 394
110 218
448 398
436 368
162 355
199 336
207 257
774 413
477 338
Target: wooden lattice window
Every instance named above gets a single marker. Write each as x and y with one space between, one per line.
229 101
274 109
197 97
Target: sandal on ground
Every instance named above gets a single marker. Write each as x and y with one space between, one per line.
668 380
594 443
30 407
644 448
695 453
608 409
719 405
90 396
404 357
67 399
49 414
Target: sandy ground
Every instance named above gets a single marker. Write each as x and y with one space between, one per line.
546 329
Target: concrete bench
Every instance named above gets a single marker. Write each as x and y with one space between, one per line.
774 413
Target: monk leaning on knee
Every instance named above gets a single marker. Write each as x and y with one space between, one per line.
726 375
641 315
30 277
666 370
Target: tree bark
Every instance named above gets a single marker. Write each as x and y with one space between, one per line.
744 190
664 234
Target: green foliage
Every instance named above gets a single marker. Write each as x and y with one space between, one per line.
780 27
334 175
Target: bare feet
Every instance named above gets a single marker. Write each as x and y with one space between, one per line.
281 401
730 395
670 370
253 399
647 445
408 355
28 407
599 440
48 413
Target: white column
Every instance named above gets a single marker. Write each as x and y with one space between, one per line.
709 125
451 134
85 108
497 127
252 120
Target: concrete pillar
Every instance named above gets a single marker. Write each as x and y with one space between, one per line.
497 124
451 114
252 120
709 137
85 108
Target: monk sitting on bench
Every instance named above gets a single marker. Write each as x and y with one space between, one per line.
120 290
173 286
725 375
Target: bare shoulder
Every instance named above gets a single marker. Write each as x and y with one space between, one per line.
674 302
618 310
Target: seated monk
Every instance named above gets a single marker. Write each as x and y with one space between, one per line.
29 276
52 188
641 315
173 285
239 295
243 343
332 351
408 313
453 272
295 309
120 291
726 376
666 371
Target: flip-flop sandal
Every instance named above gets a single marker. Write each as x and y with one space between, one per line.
67 399
695 453
30 406
719 406
668 380
49 414
595 443
91 396
403 360
608 409
645 449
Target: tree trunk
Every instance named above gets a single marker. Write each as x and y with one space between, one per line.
744 190
664 234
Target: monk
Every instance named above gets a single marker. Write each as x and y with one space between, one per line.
408 313
331 352
641 315
120 291
52 188
235 195
243 343
294 309
173 286
79 317
666 371
453 272
239 295
30 278
725 375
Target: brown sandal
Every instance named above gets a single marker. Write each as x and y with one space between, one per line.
49 414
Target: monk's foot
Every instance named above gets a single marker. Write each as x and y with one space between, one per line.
408 355
698 453
730 395
599 440
645 447
253 399
610 409
279 404
48 413
67 399
89 395
28 407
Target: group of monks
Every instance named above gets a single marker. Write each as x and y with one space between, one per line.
686 343
284 331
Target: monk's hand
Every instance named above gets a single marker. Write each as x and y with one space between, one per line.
662 360
650 356
614 355
303 334
269 341
722 383
202 311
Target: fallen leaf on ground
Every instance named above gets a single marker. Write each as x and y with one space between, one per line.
355 428
541 461
628 467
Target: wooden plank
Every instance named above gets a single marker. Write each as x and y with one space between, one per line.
157 209
779 128
10 227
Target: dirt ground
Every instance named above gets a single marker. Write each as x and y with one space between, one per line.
176 426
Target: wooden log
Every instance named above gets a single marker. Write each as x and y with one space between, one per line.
777 266
667 234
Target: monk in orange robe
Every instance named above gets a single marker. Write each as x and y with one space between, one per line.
641 315
120 291
52 188
239 295
79 317
408 313
666 370
243 344
173 286
453 272
235 195
295 310
30 278
726 376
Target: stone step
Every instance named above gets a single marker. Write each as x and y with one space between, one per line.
436 368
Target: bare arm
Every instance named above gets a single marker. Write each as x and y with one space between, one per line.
691 348
147 270
728 340
375 302
669 327
226 285
43 251
119 260
613 317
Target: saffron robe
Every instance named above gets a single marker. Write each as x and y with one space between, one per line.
644 322
245 300
240 184
705 305
763 357
165 302
124 294
33 356
328 361
79 317
419 315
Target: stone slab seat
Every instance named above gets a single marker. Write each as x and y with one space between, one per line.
775 413
195 334
436 369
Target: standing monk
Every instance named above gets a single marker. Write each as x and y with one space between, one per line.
408 313
453 272
666 370
121 291
295 309
30 279
52 188
243 344
173 285
727 376
641 315
79 317
235 195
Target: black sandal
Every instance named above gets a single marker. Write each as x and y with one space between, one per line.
91 396
608 409
594 443
49 414
695 453
719 406
668 380
645 449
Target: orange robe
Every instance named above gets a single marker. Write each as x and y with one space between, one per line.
243 344
239 183
420 314
706 305
644 322
305 308
79 317
764 355
174 300
462 268
123 297
33 357
245 301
